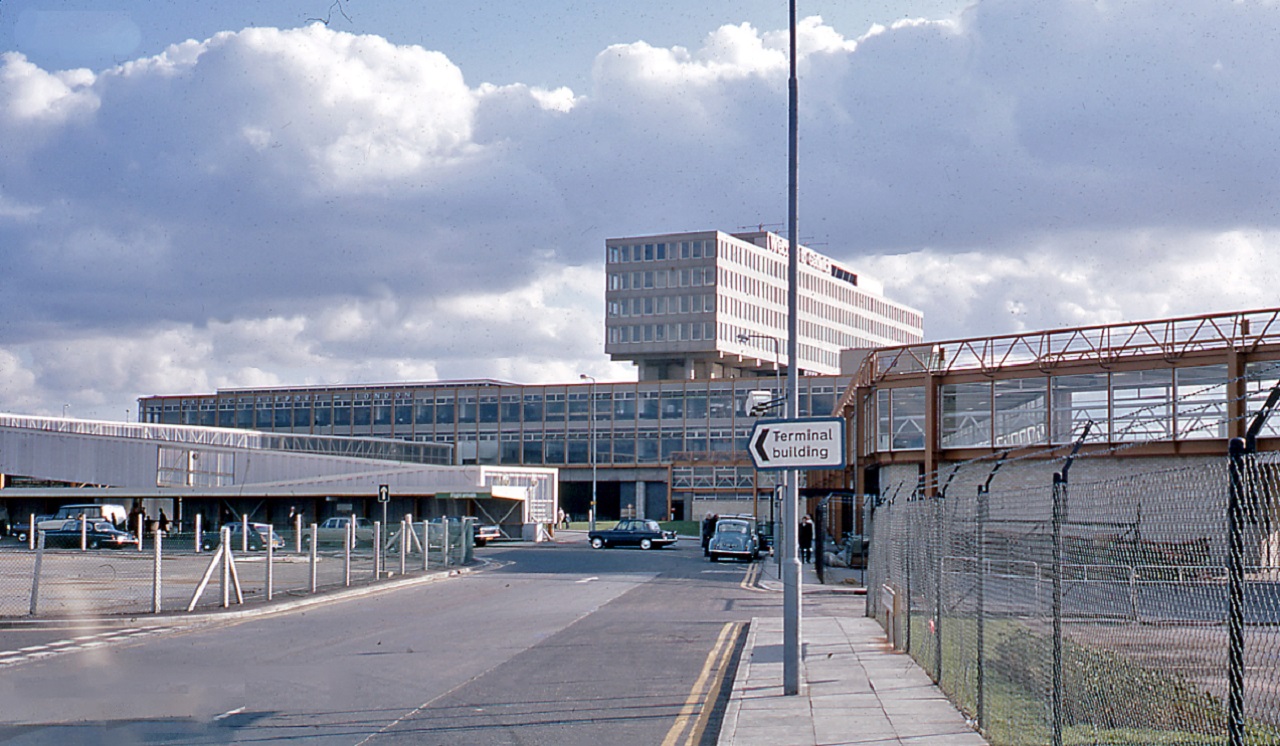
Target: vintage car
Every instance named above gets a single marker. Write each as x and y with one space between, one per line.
333 532
734 537
486 533
256 538
636 532
97 534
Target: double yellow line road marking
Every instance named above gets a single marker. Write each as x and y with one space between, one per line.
691 723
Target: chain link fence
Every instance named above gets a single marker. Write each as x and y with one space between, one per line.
61 582
1092 611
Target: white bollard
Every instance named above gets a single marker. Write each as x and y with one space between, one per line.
156 594
348 541
84 532
198 532
244 532
271 550
314 536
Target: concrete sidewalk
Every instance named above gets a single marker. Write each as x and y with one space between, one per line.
854 688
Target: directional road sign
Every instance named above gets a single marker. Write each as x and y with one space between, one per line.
816 443
384 493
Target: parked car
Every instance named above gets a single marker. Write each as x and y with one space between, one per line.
636 532
257 537
97 534
734 537
486 534
333 531
114 514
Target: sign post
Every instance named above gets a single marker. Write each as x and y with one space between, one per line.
384 497
791 445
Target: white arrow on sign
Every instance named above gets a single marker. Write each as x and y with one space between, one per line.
816 443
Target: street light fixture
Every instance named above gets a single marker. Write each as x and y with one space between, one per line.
779 400
591 434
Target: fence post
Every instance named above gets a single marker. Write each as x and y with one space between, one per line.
348 540
224 539
906 518
426 544
984 492
1059 515
141 531
38 544
938 515
1235 593
244 532
198 532
156 592
315 536
271 586
404 543
1059 509
84 532
377 549
982 600
1239 491
297 533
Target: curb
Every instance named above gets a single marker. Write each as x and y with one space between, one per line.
729 722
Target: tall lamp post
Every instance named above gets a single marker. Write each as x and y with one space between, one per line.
790 563
591 434
780 397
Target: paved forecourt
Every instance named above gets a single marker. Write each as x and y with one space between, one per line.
855 689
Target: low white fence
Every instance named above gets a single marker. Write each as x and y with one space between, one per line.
210 570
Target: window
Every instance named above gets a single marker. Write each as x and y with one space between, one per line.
907 424
1075 400
1021 409
1142 404
966 415
1201 402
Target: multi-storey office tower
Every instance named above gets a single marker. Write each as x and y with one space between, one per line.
714 305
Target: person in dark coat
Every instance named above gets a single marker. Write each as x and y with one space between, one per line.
806 539
708 528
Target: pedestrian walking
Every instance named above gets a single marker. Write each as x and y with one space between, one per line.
806 539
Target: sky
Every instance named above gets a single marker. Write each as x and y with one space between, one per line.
197 196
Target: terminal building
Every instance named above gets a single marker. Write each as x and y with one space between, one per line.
703 317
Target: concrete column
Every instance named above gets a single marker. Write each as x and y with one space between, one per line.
640 499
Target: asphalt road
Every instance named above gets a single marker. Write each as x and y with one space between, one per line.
553 644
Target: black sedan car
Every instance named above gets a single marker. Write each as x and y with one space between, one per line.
97 534
635 532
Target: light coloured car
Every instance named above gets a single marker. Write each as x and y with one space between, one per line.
734 538
333 531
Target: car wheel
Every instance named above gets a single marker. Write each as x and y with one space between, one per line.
94 544
597 543
22 536
714 557
646 544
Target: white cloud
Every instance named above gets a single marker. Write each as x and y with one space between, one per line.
306 206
